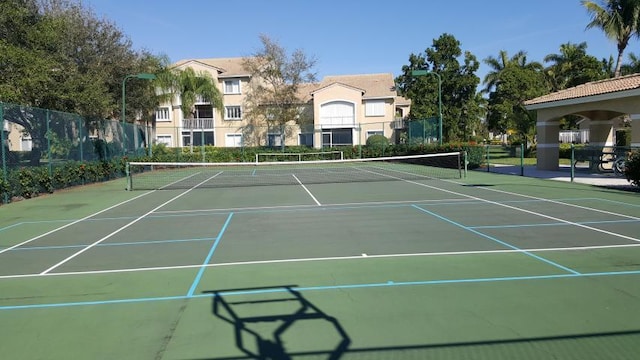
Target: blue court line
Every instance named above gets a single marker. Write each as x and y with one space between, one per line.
153 242
320 288
11 226
497 240
329 206
196 281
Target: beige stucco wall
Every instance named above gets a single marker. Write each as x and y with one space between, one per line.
603 117
332 93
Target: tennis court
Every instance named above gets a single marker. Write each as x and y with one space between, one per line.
483 266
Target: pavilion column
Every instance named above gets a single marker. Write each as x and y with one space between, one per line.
635 130
547 149
601 133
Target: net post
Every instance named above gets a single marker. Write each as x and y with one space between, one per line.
127 171
466 164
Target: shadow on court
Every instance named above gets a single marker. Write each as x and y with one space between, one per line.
610 345
277 325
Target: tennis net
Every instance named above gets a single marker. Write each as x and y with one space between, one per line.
306 156
169 175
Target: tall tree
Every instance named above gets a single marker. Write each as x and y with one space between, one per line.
190 86
618 19
573 66
460 105
511 82
57 55
276 97
633 67
497 64
506 112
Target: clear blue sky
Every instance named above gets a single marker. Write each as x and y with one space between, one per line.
354 36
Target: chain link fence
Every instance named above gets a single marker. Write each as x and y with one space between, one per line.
40 138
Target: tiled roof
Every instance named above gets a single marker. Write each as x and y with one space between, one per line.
374 85
230 66
227 66
622 83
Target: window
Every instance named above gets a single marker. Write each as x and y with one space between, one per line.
232 113
26 144
306 139
274 140
164 139
370 133
197 138
232 86
337 137
162 114
374 108
233 140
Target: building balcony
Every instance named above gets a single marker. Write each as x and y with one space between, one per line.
200 123
398 124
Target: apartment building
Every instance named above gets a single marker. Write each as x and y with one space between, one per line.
343 109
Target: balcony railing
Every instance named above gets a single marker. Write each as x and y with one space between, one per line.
201 123
398 124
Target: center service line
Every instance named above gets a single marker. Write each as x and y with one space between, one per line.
307 190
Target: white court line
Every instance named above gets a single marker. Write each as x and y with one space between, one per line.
307 190
73 223
293 207
124 227
513 207
332 258
561 203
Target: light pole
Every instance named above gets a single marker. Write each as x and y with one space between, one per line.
427 72
144 76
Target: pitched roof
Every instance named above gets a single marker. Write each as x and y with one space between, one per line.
374 85
622 83
228 67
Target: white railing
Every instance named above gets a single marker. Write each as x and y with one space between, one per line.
574 136
398 124
337 121
202 123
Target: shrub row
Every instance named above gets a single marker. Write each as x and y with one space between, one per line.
28 182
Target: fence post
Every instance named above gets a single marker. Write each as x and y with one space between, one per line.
4 154
488 161
572 162
522 159
48 120
81 139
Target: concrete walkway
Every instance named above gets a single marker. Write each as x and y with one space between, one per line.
582 176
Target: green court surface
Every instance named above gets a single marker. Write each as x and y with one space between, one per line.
485 267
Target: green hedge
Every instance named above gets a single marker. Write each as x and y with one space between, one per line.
28 182
632 168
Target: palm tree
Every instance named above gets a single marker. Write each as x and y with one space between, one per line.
492 79
618 19
633 66
572 66
191 87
